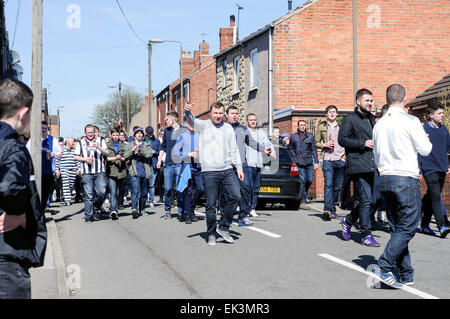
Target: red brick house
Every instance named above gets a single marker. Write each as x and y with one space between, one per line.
199 84
397 41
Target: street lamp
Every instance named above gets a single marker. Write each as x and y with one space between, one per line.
181 72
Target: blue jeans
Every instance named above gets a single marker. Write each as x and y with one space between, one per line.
151 184
194 191
171 172
249 190
404 205
305 174
333 173
363 184
213 182
94 186
138 192
114 191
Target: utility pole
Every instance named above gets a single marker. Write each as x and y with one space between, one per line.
36 87
151 118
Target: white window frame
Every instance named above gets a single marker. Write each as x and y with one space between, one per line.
186 92
253 68
237 72
167 102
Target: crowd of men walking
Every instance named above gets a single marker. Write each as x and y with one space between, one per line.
222 160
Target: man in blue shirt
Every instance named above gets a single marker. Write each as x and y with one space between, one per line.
156 147
434 169
171 169
190 183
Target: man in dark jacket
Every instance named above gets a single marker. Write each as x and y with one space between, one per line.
156 147
23 234
302 147
355 135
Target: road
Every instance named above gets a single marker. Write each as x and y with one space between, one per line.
285 255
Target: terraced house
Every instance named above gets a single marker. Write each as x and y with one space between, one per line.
323 51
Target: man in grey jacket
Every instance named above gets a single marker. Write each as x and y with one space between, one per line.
218 153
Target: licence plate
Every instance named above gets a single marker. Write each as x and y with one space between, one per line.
269 189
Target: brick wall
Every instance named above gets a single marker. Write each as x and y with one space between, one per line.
313 50
202 89
313 55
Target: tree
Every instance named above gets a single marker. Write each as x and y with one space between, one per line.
107 115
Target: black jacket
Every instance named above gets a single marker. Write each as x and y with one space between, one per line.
356 128
18 194
303 151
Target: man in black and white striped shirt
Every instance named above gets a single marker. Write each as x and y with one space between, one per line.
67 168
90 151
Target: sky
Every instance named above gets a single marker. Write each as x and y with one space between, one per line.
88 45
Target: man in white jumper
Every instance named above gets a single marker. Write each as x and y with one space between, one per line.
397 138
218 153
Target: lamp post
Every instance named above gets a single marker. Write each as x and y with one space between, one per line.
181 71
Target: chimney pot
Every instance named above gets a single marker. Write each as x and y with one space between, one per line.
232 20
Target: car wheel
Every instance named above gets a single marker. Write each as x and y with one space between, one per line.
293 205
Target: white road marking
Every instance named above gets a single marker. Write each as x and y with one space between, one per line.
262 231
368 273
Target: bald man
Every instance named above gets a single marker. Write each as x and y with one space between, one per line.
68 168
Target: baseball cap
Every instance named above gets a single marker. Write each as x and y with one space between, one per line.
284 135
137 129
149 129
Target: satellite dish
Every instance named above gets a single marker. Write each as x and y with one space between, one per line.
13 57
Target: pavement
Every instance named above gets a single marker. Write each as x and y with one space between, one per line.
51 280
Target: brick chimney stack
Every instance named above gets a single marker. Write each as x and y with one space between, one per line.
188 63
226 34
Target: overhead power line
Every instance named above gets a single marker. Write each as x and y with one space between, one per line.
19 3
129 24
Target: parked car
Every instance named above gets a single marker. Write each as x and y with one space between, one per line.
280 182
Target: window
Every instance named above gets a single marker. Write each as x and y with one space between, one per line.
254 68
186 92
167 101
224 69
236 74
175 100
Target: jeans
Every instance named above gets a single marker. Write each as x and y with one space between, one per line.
138 192
431 202
305 174
171 171
114 185
249 190
151 184
213 181
363 184
403 202
333 173
94 186
378 202
15 281
194 191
